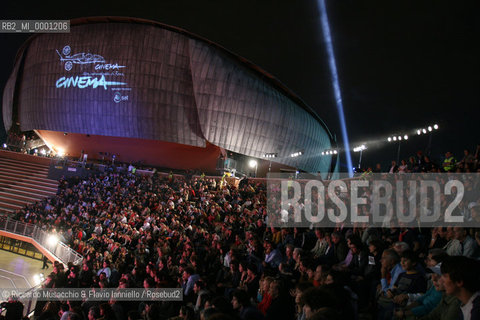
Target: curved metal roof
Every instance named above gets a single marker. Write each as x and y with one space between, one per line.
165 84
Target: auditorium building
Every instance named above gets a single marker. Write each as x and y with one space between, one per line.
145 91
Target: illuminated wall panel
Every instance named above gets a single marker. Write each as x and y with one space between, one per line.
132 78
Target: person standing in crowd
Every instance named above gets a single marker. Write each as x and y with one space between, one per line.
449 162
393 167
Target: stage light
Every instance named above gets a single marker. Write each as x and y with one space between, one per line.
424 131
394 138
252 163
435 126
405 137
323 153
430 128
389 139
38 279
399 138
43 152
52 240
360 148
270 155
5 146
60 152
335 151
419 132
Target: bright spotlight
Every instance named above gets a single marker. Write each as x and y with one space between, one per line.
335 151
43 152
430 128
424 131
405 137
52 240
394 138
5 146
419 132
323 153
399 138
389 139
61 152
38 279
252 163
360 148
435 126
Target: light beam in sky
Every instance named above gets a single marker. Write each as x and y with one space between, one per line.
327 38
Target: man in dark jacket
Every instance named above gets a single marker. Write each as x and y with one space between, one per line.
340 249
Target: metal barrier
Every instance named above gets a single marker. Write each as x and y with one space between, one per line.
59 250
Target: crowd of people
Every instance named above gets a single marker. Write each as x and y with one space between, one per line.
420 162
213 240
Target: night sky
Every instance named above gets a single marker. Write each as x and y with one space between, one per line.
401 64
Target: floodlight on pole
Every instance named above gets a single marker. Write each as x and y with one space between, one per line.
360 149
253 164
52 240
38 279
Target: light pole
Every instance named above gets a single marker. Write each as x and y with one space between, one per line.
426 130
253 164
399 139
360 149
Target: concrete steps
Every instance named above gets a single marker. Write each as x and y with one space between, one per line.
23 182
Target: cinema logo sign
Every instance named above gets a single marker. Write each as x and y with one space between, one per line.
83 82
96 79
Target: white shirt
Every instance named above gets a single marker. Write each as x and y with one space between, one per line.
467 308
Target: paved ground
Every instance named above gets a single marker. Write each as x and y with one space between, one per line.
17 272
